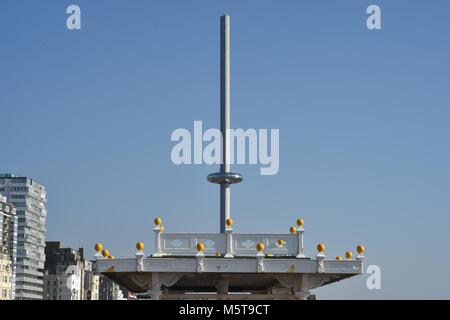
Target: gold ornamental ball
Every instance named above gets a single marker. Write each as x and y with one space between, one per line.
157 221
105 253
229 222
281 242
260 247
338 258
321 247
140 246
348 255
200 246
360 249
98 247
293 229
300 222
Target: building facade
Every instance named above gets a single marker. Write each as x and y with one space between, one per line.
6 277
67 275
8 248
29 199
91 282
109 290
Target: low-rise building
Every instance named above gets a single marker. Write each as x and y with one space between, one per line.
67 275
91 283
109 290
6 277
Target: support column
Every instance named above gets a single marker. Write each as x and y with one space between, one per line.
155 290
222 285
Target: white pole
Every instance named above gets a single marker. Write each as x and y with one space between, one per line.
225 197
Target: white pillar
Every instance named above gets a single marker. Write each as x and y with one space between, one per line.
140 261
200 256
260 261
301 253
229 242
158 249
320 262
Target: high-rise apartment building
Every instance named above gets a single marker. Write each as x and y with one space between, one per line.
29 199
8 248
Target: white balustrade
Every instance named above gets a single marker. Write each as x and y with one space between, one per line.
274 244
186 243
219 243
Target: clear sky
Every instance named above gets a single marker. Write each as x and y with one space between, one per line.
363 118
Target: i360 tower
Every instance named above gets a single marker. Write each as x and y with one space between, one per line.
225 178
227 265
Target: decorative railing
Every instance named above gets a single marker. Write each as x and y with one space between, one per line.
274 244
186 243
228 244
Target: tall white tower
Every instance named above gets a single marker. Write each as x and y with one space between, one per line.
225 177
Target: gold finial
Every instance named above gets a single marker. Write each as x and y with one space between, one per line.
293 229
321 247
157 221
260 247
140 246
105 253
360 249
339 258
229 222
348 255
98 247
281 242
300 222
200 247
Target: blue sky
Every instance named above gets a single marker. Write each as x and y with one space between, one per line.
363 118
